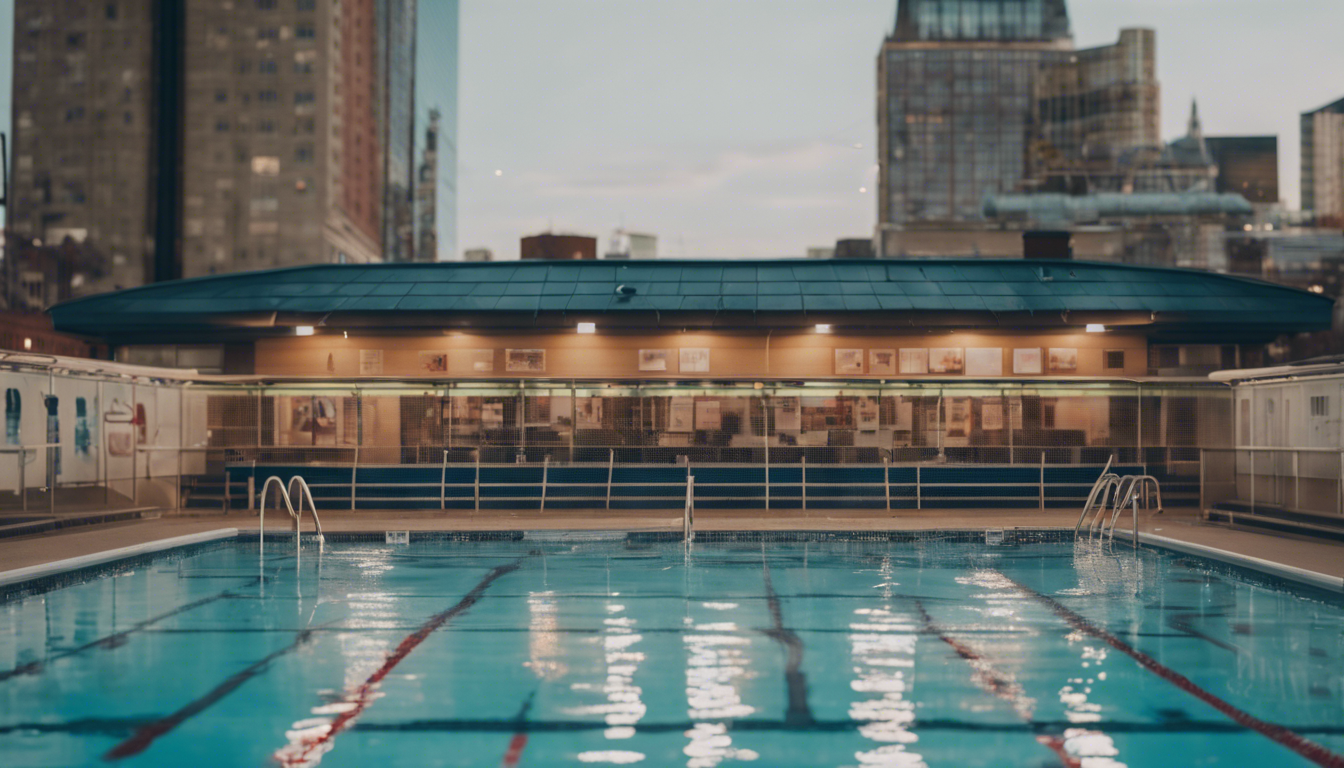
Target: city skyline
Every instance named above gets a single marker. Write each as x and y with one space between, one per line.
749 148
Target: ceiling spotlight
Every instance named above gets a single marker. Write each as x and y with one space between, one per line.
587 327
303 330
1096 328
823 327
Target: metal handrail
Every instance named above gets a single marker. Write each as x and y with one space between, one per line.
1138 483
287 497
1098 500
688 517
1105 472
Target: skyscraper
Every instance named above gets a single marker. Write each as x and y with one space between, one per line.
1323 162
954 102
176 138
427 195
1247 165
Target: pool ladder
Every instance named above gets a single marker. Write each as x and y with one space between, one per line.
1116 492
287 496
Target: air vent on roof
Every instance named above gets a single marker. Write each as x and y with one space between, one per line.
626 290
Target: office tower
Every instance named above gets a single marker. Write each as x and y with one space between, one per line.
177 138
426 194
627 245
1247 165
1323 163
1095 107
954 90
553 247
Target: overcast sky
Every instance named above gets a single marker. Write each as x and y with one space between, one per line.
747 127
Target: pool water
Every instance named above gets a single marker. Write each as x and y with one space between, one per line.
554 651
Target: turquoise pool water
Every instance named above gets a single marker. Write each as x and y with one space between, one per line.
582 652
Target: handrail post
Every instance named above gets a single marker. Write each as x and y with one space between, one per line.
1202 506
23 475
1252 465
476 485
611 468
545 471
1297 480
1041 486
886 479
443 483
688 515
767 479
354 479
919 488
802 462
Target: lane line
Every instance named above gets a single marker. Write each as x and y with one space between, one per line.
798 711
1273 731
308 750
150 732
519 740
116 639
1000 684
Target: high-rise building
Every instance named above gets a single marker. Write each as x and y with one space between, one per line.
553 247
1095 106
1247 165
1323 163
427 195
177 138
954 102
627 245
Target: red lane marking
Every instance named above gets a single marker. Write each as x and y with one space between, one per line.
1283 736
1000 685
309 750
515 752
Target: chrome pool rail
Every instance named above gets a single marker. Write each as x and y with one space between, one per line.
688 516
286 495
1138 485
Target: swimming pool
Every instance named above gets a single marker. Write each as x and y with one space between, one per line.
613 650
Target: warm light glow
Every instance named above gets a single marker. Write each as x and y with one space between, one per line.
1248 227
303 330
27 343
1096 328
345 334
823 328
1318 289
587 327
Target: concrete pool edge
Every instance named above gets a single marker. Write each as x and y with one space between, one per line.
32 573
1290 573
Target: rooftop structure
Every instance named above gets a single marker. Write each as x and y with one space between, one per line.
1323 163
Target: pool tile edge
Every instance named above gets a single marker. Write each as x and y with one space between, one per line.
35 572
1287 572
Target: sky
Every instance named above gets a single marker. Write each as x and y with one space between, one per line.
747 128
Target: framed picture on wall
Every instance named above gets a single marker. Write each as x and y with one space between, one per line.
654 359
947 360
914 361
433 362
694 360
1027 360
525 360
882 362
483 360
788 417
848 361
984 361
991 413
370 362
866 414
1063 360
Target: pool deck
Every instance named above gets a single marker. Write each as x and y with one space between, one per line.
1321 561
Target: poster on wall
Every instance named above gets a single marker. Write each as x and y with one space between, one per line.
866 414
984 361
483 360
707 414
589 412
914 361
1063 360
788 416
119 427
433 362
882 362
848 361
370 362
905 415
525 360
681 415
1027 361
947 360
991 413
958 421
654 359
694 360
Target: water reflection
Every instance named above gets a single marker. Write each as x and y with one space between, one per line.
716 664
543 637
882 645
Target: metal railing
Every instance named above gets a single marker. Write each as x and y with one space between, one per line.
286 495
607 485
1296 479
688 516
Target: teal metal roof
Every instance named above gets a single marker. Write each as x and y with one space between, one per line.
415 295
